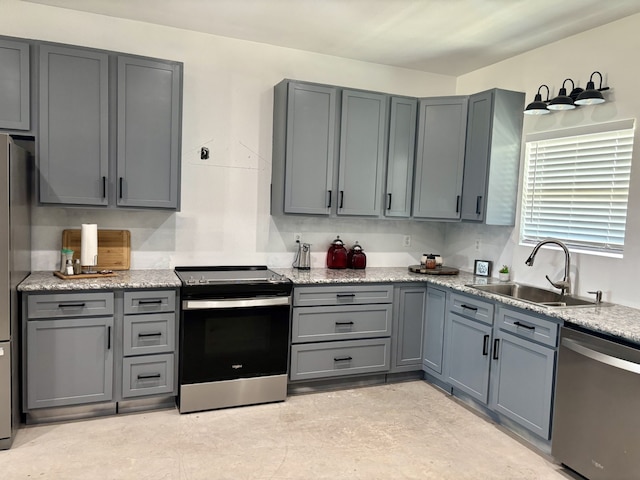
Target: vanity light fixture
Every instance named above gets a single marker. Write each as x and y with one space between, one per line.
591 96
564 101
538 106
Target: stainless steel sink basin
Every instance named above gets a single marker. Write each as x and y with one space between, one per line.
539 296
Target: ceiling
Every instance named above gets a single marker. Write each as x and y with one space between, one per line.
449 37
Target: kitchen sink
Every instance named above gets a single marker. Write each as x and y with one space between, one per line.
538 296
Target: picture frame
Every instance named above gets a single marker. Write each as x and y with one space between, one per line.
482 268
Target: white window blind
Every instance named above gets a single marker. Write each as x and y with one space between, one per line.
576 188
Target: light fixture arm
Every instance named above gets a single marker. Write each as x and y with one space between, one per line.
573 85
600 89
548 92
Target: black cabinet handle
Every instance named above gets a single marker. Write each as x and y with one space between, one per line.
485 345
104 187
469 307
71 305
145 377
342 359
478 201
344 323
154 334
109 338
524 325
458 204
341 198
149 302
496 344
329 200
388 201
342 295
120 181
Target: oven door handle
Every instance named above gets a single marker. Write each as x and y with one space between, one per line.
235 303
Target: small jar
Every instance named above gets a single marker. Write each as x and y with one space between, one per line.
77 268
430 262
69 267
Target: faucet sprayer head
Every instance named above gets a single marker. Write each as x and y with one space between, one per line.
529 261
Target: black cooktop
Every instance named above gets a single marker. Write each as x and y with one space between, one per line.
232 280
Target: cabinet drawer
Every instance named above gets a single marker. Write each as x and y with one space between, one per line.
152 333
342 295
314 324
148 375
333 359
527 326
149 301
471 307
69 305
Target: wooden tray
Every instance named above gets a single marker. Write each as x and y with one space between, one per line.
114 248
434 271
83 275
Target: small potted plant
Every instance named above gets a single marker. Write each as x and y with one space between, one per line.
503 273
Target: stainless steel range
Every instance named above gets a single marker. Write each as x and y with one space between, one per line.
234 336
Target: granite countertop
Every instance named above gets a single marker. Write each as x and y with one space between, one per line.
617 321
47 281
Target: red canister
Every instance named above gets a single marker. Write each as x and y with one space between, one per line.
356 258
337 254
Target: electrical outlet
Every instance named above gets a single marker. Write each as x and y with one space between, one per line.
477 245
406 241
297 237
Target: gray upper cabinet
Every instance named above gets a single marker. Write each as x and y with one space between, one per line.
73 141
492 158
362 153
400 161
148 152
440 157
14 82
304 148
109 131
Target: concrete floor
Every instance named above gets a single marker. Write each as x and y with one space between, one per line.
399 431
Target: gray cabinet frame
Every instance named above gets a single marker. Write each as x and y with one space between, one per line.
434 332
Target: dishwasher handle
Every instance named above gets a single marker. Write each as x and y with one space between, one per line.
588 351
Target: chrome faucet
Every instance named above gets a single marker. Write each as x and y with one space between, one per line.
565 284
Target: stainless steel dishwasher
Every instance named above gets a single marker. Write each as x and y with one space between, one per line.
596 422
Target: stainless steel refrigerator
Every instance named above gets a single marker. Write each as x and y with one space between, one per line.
15 265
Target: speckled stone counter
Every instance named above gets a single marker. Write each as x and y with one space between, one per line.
47 281
615 320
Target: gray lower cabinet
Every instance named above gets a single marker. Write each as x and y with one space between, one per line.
77 165
305 142
362 153
340 330
400 160
492 157
408 325
440 157
434 332
523 369
14 85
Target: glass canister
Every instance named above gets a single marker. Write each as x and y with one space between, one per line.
337 254
65 255
356 258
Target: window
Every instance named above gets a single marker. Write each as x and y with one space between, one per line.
576 185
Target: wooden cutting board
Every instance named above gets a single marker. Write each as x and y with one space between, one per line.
434 271
114 248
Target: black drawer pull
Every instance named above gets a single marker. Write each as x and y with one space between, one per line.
458 204
496 344
469 307
524 325
341 198
329 201
154 334
104 187
389 201
485 345
120 187
478 200
344 323
109 338
71 305
342 359
343 295
146 377
149 302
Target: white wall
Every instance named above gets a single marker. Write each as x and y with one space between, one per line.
612 50
228 98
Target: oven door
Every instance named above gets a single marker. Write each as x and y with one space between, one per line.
231 339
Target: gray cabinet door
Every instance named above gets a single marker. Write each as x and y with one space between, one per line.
74 126
362 153
148 166
14 85
434 322
522 382
408 325
310 148
467 361
400 161
69 361
440 157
